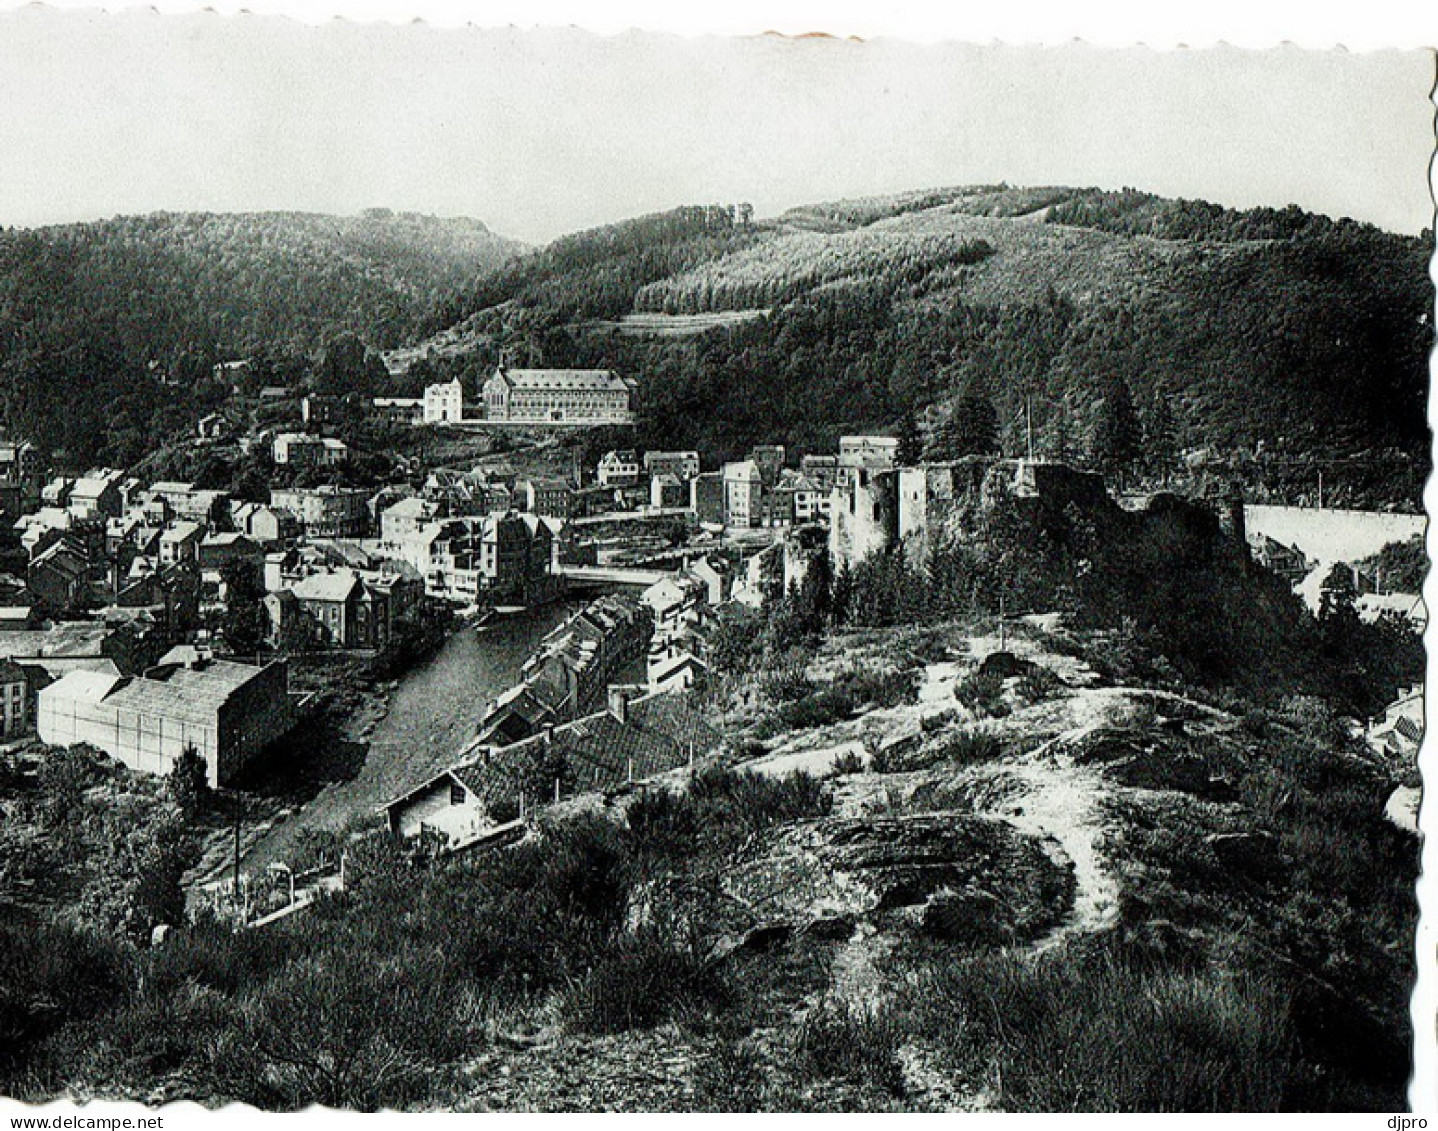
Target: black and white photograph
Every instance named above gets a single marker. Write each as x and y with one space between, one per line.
561 570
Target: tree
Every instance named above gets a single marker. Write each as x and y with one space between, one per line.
188 783
1160 436
1117 440
245 624
973 427
137 876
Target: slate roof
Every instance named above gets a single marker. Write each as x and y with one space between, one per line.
187 694
338 586
563 380
659 734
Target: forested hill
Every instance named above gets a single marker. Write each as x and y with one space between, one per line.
91 314
1269 335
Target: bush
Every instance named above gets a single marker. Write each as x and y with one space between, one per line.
730 1078
982 693
720 809
1039 685
1107 1032
849 763
52 975
967 746
840 1041
640 982
187 783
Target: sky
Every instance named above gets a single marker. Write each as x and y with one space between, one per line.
542 132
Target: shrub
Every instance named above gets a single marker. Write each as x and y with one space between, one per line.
1040 684
1106 1032
967 746
642 981
347 1031
982 693
850 763
837 1040
51 975
730 1078
720 808
187 782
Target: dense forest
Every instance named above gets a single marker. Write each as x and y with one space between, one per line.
1270 343
108 330
1274 341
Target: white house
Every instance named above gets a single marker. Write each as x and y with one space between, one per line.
444 404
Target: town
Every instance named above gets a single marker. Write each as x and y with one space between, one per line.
155 619
854 660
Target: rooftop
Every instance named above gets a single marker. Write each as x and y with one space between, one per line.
564 380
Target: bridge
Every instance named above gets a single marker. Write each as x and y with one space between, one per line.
612 575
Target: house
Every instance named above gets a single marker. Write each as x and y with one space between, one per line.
676 660
797 500
684 466
301 450
337 610
631 740
769 459
228 712
219 550
619 468
328 511
1399 731
576 661
14 699
675 600
706 497
551 497
405 518
193 504
1289 562
97 494
494 558
558 396
667 492
743 494
264 524
59 577
444 403
397 410
717 576
20 463
56 493
181 542
17 605
822 471
317 409
212 426
872 453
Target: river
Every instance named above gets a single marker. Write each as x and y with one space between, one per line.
433 712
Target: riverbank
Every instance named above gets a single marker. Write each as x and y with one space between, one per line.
370 740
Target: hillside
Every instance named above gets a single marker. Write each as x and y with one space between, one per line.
1275 337
107 310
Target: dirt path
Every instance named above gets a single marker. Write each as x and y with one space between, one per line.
1062 801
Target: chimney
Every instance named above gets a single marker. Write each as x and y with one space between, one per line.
619 702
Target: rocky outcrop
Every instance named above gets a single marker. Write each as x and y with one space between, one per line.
950 875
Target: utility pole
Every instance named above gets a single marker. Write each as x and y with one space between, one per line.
237 853
1003 626
1320 488
1029 424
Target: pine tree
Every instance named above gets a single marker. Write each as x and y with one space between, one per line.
973 427
1117 439
1160 437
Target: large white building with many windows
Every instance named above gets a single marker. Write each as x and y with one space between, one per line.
558 396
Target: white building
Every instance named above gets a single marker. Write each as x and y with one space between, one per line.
444 404
559 396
